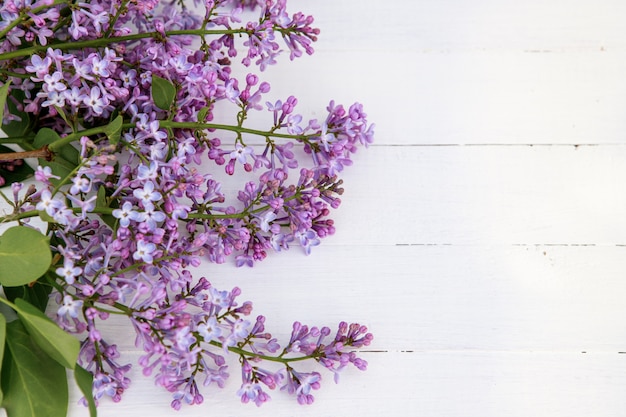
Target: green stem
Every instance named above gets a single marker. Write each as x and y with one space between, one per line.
244 352
55 146
140 264
94 43
24 15
231 128
117 16
35 213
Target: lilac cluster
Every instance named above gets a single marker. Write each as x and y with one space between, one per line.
140 204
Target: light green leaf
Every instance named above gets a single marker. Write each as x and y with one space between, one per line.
3 338
24 256
4 93
114 130
202 114
59 345
34 385
84 380
163 92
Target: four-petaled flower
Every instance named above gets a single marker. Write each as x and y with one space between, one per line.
144 251
69 272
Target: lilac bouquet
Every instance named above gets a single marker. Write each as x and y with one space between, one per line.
117 100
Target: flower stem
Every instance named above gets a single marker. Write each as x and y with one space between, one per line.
244 352
94 43
37 153
24 15
232 128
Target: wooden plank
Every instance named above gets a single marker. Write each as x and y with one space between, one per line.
484 195
466 97
430 384
432 298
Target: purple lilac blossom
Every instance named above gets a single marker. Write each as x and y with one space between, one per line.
137 213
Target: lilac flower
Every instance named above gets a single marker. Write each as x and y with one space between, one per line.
54 83
267 218
241 153
80 184
144 251
40 67
210 330
147 194
74 97
54 99
95 102
326 138
151 217
148 172
129 78
49 204
157 179
69 272
100 66
241 328
126 214
70 307
307 240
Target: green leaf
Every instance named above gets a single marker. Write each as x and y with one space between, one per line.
19 173
17 127
64 160
36 294
102 201
114 130
67 155
34 385
60 346
4 93
3 337
63 115
202 114
24 256
84 380
163 92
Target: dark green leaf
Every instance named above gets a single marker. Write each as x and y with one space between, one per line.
114 130
34 385
36 294
67 155
60 346
17 127
19 173
3 337
102 201
24 256
163 92
64 159
4 93
84 380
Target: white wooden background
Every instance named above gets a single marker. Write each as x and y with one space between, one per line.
482 238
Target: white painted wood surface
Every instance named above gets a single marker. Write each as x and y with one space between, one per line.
483 237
